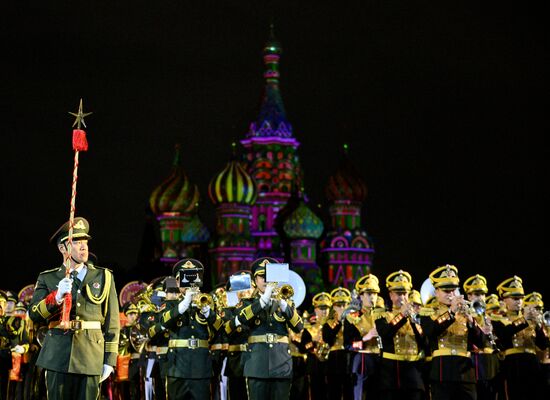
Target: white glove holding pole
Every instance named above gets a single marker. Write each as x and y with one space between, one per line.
19 349
265 298
107 370
184 305
64 286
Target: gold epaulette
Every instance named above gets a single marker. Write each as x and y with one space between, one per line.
378 315
426 311
353 319
500 318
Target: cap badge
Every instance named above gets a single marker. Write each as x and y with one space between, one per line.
79 225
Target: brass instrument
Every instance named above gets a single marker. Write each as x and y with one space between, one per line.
201 300
476 307
138 337
546 318
322 351
283 292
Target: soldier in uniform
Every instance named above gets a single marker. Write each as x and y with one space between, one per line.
79 356
17 327
338 373
5 350
237 343
361 337
127 371
485 358
402 342
452 332
317 350
191 322
534 300
519 334
268 363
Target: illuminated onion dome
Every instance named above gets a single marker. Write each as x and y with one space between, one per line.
194 231
346 183
302 223
176 194
233 185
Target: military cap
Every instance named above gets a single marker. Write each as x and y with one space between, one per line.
130 308
367 283
258 266
20 308
81 227
3 296
322 299
414 297
476 284
492 303
533 299
445 276
340 295
511 287
11 296
186 263
189 271
399 281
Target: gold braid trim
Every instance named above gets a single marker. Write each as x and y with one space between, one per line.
103 295
111 347
42 309
296 319
247 313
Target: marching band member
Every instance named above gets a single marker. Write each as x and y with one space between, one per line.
191 323
218 347
127 369
268 363
299 388
402 342
313 344
361 337
519 333
485 358
451 332
338 373
534 300
237 337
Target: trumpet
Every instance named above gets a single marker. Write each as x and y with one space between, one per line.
283 292
546 318
476 307
201 300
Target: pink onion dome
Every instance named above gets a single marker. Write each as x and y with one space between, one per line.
346 183
176 194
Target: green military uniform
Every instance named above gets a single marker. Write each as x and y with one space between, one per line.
519 339
189 364
451 338
268 363
73 358
128 357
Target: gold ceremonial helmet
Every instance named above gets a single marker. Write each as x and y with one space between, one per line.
511 287
492 303
476 284
340 295
445 276
322 299
414 297
399 281
534 300
368 283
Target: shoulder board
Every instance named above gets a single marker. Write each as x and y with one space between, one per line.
426 312
51 270
379 315
98 267
353 318
499 318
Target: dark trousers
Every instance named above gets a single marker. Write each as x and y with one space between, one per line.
401 394
487 390
187 389
453 391
62 386
318 387
236 387
339 387
268 389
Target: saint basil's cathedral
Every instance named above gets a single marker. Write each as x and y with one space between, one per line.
261 207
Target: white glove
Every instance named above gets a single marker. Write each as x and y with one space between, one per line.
265 299
64 286
183 306
283 305
205 311
19 349
107 370
237 322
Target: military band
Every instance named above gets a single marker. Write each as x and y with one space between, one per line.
178 342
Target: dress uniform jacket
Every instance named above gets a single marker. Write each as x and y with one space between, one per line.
338 371
270 357
94 301
188 348
237 339
451 339
403 343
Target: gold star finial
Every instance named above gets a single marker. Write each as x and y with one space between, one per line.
79 116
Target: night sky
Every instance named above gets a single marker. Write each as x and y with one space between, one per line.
442 106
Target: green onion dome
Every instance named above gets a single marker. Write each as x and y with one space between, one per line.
233 185
302 223
176 194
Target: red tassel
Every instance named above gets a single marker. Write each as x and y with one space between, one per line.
79 140
66 314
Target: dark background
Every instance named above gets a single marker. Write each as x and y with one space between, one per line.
443 105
